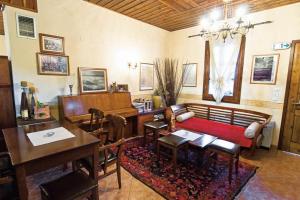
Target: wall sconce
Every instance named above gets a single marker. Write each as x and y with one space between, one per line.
132 65
2 7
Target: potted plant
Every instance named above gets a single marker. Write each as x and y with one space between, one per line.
170 79
156 99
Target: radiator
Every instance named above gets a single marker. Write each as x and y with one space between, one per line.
268 134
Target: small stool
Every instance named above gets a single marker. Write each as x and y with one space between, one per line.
74 185
174 143
228 149
155 127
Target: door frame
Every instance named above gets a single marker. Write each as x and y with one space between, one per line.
287 92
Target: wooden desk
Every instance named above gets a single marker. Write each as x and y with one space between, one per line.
28 159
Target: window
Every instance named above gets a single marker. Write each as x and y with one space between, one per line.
233 86
26 27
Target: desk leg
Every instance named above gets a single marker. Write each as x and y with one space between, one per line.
94 172
21 182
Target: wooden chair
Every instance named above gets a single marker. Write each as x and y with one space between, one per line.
110 154
95 125
8 188
75 185
118 125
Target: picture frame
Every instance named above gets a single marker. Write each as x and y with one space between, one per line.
52 44
50 64
26 26
190 77
264 69
122 87
146 76
92 80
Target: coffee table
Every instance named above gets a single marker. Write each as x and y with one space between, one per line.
174 143
188 140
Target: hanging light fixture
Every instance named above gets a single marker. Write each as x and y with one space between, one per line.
212 27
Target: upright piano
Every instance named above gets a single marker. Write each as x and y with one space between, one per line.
75 108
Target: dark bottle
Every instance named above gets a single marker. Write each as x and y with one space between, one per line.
24 106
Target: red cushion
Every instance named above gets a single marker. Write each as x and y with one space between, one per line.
223 131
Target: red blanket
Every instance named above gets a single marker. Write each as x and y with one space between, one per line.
232 133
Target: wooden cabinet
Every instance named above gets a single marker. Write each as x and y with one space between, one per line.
147 117
7 108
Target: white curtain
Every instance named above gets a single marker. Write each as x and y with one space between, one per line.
223 60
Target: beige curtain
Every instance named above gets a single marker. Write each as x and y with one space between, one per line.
223 60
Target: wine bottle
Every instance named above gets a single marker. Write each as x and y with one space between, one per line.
24 106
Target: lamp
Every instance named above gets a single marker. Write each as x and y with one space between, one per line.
132 65
2 7
212 28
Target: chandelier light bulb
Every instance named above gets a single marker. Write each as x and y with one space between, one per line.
205 23
241 11
215 14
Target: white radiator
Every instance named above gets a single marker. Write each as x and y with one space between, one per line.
268 135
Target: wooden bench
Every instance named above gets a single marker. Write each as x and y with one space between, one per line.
226 115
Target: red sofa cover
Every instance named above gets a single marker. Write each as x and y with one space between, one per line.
232 133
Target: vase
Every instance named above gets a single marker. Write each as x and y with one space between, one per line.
156 101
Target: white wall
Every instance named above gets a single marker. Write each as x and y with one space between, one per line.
94 37
285 27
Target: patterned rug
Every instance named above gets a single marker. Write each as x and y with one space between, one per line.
190 180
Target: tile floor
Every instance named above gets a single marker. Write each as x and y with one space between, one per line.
277 178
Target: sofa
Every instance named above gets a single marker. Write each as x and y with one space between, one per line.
223 122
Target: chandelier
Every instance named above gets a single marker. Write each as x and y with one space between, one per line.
214 28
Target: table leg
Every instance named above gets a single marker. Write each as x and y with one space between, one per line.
158 151
94 172
174 157
21 182
145 135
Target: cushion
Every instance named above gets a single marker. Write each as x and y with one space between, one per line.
185 116
252 129
232 133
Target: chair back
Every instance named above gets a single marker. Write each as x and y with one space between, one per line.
118 125
98 116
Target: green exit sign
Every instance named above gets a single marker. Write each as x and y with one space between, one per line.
281 46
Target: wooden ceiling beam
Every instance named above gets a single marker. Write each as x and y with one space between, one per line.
179 14
173 4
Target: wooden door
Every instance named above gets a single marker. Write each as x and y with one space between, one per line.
290 129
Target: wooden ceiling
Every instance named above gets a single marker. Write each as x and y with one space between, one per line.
174 15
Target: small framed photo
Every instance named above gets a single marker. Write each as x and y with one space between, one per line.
122 87
49 64
92 80
190 75
146 76
52 44
264 69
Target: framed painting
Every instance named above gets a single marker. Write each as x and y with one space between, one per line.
52 44
49 64
264 69
190 75
92 80
146 76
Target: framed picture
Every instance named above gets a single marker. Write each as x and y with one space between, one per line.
26 26
264 69
190 76
49 64
52 44
123 87
92 80
146 76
